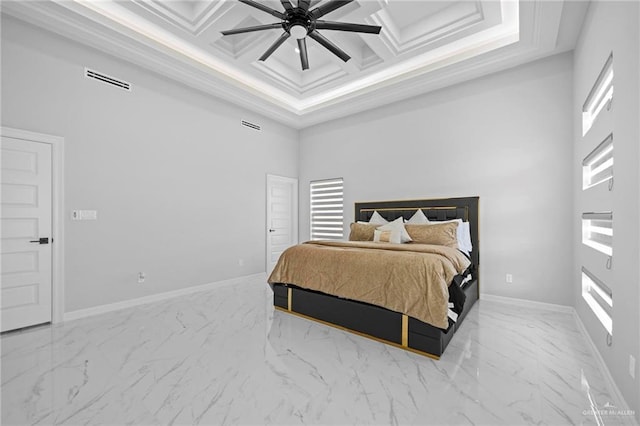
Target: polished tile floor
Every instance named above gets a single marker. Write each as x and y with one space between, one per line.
225 357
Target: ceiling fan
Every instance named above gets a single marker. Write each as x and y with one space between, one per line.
301 22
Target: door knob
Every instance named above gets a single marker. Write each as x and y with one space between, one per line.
43 240
272 230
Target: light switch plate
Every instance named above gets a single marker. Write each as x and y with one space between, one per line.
84 215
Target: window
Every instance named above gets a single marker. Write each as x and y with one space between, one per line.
597 231
600 95
599 297
327 209
597 167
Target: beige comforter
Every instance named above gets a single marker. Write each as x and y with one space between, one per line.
409 278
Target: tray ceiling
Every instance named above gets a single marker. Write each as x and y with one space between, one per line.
423 45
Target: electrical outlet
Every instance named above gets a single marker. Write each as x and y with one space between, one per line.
509 278
141 277
632 366
240 262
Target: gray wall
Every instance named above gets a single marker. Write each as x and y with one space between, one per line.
611 27
506 138
178 184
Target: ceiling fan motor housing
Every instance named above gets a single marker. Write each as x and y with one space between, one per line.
297 23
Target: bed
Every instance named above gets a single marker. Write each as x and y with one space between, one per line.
406 327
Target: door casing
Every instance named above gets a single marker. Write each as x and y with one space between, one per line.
57 212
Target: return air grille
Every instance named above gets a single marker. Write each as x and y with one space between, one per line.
95 75
250 125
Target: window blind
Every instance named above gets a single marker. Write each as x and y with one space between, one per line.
327 209
599 297
600 95
597 231
597 167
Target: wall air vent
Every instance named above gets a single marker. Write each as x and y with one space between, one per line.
251 125
95 75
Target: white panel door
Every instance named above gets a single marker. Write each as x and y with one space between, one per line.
282 217
25 292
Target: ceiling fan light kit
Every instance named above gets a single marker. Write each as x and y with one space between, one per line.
300 22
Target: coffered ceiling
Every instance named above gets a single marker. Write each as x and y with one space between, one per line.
424 45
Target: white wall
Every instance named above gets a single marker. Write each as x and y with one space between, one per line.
611 27
178 184
506 138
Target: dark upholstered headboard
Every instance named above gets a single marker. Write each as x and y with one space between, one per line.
465 208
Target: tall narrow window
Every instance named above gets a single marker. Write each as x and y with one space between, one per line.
327 209
597 231
599 297
597 167
600 95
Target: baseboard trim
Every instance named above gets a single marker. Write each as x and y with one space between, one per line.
527 303
102 309
608 378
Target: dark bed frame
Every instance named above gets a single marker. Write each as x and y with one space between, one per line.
379 323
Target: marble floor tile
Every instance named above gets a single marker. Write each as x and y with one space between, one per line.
226 357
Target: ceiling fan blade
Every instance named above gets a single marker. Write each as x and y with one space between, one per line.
304 4
287 5
345 26
304 59
251 29
328 8
285 35
263 8
330 46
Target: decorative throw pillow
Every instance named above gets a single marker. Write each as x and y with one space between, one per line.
463 232
397 225
362 232
443 234
393 236
376 219
418 218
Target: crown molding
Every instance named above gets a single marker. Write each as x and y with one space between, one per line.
538 24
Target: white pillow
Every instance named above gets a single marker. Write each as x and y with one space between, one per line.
393 236
376 219
418 218
397 225
466 237
463 234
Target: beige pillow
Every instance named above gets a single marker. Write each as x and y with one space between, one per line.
362 232
387 236
443 234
